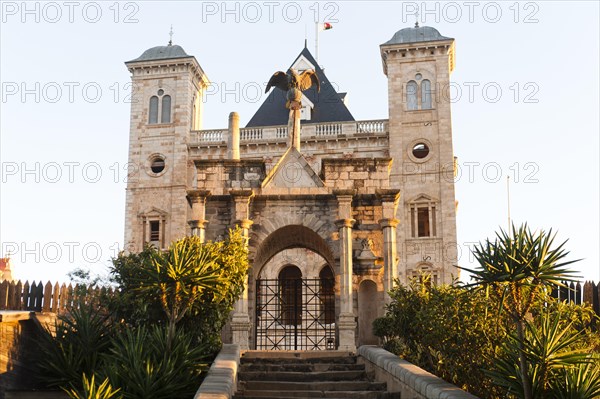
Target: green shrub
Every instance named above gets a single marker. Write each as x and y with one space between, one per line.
145 366
90 390
74 346
445 330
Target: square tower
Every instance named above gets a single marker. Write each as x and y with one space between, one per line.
167 89
418 62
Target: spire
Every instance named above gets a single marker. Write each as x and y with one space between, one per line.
417 19
171 36
305 43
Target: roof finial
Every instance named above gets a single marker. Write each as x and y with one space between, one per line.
171 36
417 19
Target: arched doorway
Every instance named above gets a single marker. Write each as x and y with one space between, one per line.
295 292
327 295
368 302
290 286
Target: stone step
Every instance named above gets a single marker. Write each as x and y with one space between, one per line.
322 386
301 367
298 356
303 376
317 394
298 360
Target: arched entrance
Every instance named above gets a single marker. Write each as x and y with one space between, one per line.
294 292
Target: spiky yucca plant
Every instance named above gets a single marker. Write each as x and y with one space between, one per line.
515 268
92 391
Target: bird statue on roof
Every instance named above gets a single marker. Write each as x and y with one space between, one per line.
294 84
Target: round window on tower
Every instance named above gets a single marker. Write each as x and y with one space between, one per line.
161 92
156 164
420 150
418 76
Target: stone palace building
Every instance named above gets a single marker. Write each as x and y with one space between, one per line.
331 223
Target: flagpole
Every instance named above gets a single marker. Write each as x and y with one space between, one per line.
317 40
508 200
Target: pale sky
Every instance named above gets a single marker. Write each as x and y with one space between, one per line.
525 105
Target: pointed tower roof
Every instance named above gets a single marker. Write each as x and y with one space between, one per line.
328 104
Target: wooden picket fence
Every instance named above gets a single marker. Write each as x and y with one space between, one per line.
48 298
573 292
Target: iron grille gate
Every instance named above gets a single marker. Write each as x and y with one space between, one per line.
295 314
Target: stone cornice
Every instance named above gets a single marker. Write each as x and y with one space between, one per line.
152 64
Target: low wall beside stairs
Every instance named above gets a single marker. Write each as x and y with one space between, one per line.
401 376
221 381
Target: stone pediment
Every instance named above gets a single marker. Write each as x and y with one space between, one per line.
292 170
153 212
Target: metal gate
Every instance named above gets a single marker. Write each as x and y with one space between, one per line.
295 314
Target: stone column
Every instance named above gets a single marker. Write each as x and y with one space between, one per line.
240 322
198 222
389 202
233 145
294 128
346 320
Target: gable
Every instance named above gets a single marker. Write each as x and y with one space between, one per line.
292 170
328 103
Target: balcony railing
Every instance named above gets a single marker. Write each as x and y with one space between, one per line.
280 133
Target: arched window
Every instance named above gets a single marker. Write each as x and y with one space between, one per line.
290 284
411 96
327 296
153 111
425 94
166 110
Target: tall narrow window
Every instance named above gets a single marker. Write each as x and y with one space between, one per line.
411 96
422 218
425 94
166 110
423 222
154 231
153 111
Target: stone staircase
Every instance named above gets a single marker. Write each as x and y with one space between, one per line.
304 375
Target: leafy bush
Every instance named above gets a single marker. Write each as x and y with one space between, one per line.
153 339
445 330
502 335
157 288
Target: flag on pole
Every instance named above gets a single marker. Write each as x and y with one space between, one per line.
326 26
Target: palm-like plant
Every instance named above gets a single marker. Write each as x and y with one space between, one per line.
579 382
516 268
178 277
549 348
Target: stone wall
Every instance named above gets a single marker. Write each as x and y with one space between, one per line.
18 354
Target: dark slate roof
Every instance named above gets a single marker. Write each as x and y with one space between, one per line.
162 53
416 35
329 106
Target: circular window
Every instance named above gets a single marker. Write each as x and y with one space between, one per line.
161 92
420 150
418 76
157 164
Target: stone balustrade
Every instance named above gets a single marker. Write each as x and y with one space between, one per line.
318 131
